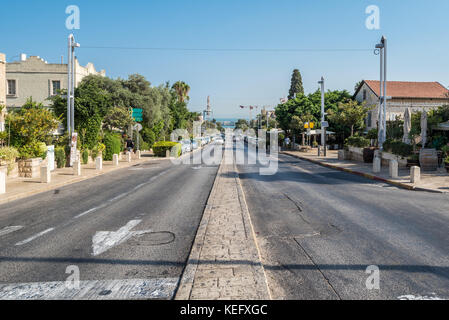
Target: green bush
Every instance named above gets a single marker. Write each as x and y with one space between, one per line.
99 148
60 157
85 156
148 136
160 148
33 150
398 148
8 156
357 141
113 145
145 146
372 134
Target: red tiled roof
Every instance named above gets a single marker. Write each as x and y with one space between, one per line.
403 89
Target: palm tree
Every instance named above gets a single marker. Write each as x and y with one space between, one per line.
182 89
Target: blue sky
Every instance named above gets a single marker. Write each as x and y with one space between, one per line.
418 33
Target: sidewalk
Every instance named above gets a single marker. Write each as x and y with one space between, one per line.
224 262
18 188
437 181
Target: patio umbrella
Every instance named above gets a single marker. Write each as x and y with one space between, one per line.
407 125
424 128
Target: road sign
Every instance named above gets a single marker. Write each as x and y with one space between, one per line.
137 114
324 124
138 127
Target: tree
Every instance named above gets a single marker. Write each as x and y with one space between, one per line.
118 118
302 107
357 85
182 90
296 86
350 114
241 124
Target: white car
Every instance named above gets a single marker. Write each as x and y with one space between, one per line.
218 140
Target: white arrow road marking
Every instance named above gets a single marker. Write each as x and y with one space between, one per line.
9 229
153 288
34 237
102 241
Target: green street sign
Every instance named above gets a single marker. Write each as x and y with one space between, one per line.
137 114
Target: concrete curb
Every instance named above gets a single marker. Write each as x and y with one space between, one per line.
68 182
184 290
365 175
259 268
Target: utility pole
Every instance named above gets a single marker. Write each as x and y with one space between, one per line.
71 84
323 118
382 114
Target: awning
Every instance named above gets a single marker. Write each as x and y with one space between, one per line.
318 131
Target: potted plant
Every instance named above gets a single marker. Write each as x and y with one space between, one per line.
413 160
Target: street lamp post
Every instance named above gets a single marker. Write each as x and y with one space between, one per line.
323 118
71 84
382 114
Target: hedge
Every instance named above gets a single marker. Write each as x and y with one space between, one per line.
160 148
113 145
398 148
358 142
60 157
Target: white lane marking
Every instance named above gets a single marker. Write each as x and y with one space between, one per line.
102 241
120 196
130 289
34 237
432 296
9 229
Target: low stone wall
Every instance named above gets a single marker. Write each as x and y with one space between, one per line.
356 154
29 168
386 157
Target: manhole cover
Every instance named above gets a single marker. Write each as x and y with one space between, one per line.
152 239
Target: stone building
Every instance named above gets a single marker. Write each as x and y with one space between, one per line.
34 77
414 95
2 90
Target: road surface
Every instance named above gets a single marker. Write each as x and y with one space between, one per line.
319 229
129 233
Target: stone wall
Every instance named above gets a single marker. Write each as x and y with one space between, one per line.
29 168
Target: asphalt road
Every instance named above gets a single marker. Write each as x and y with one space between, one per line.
128 232
319 229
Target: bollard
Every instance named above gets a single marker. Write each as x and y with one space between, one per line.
115 160
45 174
128 157
99 163
3 175
394 169
77 168
138 155
377 165
415 174
167 154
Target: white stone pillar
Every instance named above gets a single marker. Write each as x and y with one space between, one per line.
3 174
415 174
77 168
377 164
128 157
45 174
99 163
138 155
394 169
115 160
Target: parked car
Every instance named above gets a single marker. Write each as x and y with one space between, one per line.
218 140
186 146
194 144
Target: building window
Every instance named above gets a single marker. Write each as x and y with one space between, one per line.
364 95
369 119
12 88
56 86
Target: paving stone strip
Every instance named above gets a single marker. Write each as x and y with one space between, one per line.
224 262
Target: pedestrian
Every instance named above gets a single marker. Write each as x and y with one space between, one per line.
129 145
